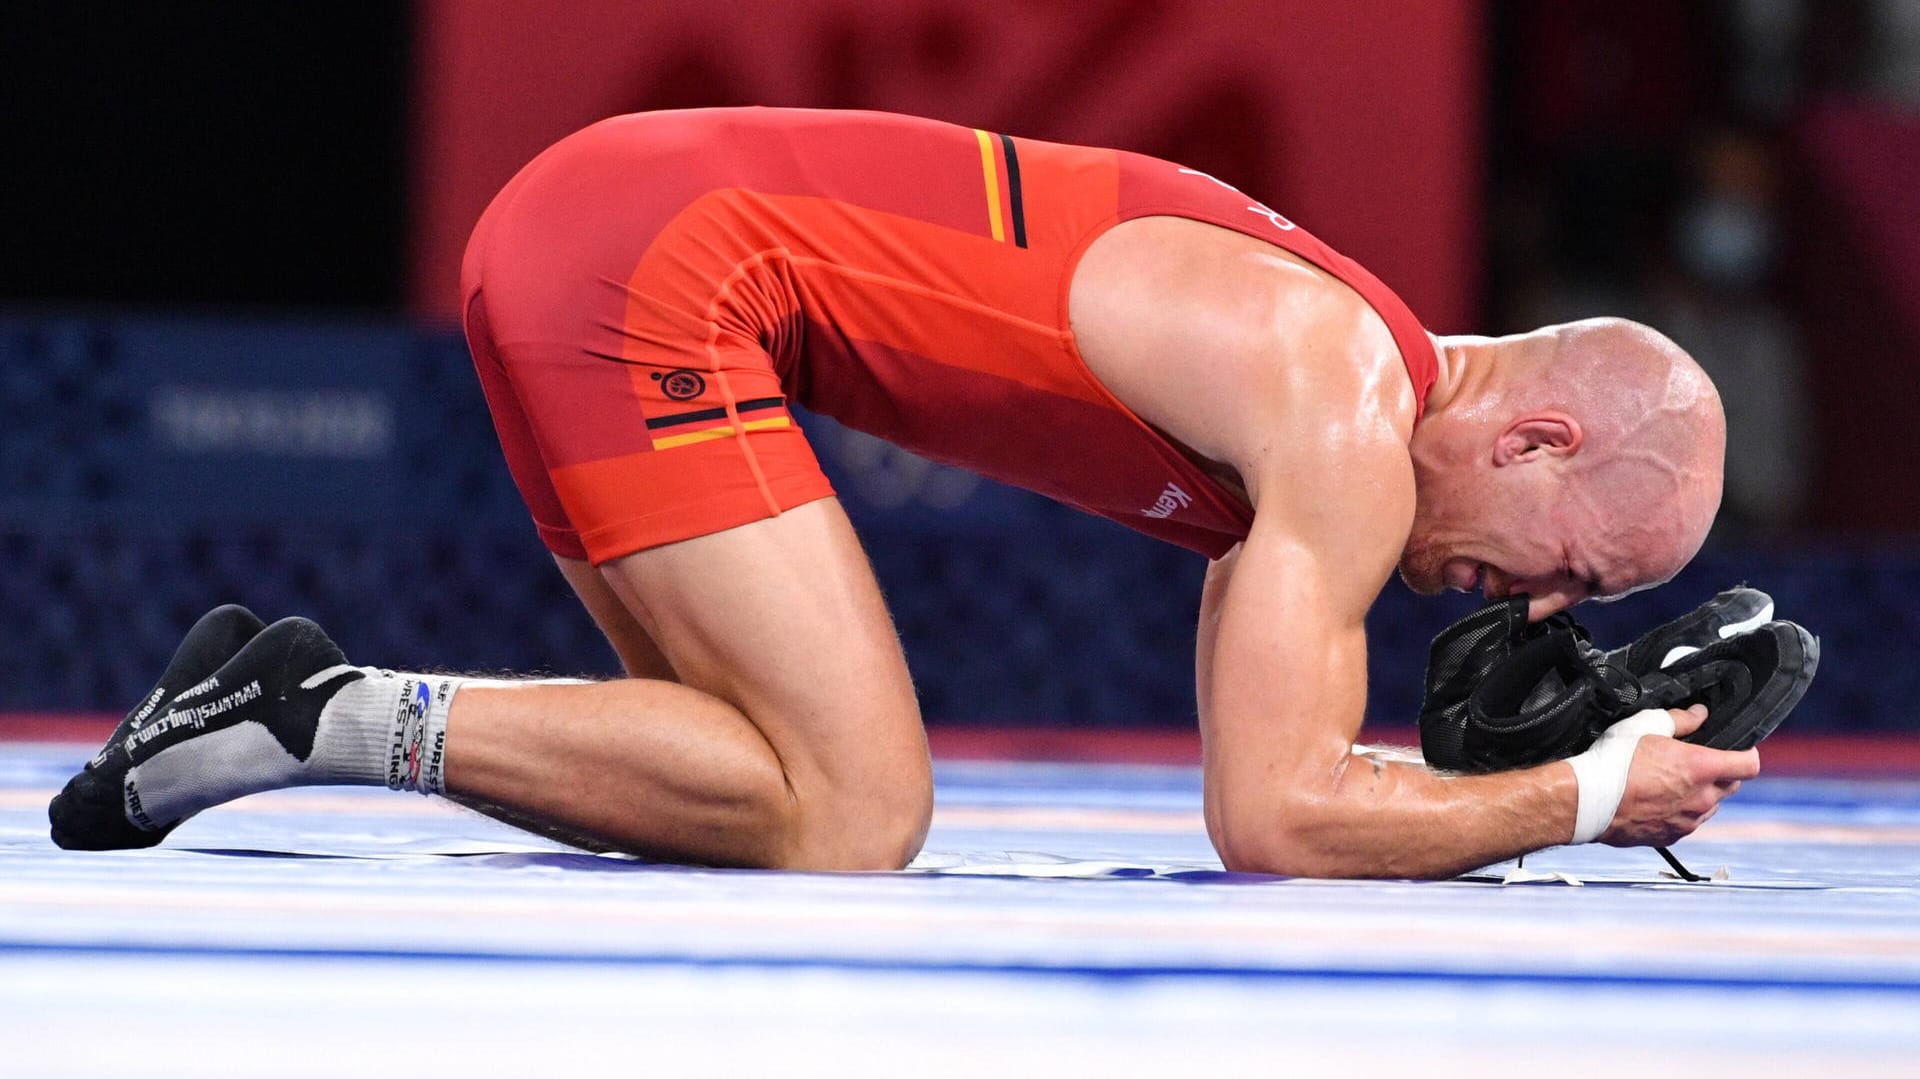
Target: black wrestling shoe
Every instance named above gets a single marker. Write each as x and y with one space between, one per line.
1549 699
1461 658
277 682
1554 695
1727 615
212 641
1748 682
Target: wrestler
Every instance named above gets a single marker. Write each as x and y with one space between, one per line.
1128 336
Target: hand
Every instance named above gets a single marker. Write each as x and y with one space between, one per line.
1673 787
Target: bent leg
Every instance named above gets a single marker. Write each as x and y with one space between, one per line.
789 734
639 656
794 740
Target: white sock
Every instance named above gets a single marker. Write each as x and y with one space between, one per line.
387 729
391 728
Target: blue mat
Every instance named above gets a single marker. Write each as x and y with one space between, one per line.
1064 919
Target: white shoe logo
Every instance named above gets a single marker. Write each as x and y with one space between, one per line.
1727 632
1171 499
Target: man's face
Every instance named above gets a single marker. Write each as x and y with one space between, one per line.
1519 541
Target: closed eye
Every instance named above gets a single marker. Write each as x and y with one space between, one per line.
1595 588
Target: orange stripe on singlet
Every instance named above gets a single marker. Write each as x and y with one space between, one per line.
1002 173
719 432
990 168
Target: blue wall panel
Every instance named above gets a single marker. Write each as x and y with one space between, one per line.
151 468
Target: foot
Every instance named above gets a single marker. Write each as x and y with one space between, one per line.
212 641
248 726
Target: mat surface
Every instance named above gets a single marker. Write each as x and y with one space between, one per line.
1064 919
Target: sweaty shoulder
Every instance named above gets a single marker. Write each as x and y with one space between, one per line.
1243 352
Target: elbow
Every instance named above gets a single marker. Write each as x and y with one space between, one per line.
1321 841
1244 856
1285 840
1279 859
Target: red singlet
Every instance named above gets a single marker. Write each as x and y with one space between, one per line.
644 298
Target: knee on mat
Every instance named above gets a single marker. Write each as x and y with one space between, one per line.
881 827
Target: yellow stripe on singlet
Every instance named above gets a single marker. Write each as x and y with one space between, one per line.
993 183
718 432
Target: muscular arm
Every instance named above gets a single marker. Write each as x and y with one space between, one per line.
1289 378
1282 680
1282 675
1282 646
1282 656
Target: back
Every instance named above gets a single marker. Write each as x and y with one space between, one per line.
909 278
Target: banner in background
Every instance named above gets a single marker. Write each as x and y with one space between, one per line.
169 420
1358 119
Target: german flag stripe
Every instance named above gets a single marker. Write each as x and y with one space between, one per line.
990 162
712 433
679 418
1014 208
993 183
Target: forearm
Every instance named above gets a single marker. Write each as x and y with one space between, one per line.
1281 666
1378 817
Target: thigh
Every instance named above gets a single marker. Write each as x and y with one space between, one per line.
639 656
783 619
525 460
633 391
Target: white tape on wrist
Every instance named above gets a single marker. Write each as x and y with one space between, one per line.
1602 770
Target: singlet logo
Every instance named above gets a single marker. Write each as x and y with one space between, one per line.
1279 222
1170 500
681 385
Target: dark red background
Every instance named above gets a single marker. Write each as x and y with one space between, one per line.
1359 119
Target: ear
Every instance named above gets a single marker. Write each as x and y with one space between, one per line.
1537 435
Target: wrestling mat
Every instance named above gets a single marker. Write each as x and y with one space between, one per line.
1066 919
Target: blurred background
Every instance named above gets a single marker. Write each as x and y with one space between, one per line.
230 368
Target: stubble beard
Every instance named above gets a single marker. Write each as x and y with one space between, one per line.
1420 568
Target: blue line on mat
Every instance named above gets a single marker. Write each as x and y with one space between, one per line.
895 966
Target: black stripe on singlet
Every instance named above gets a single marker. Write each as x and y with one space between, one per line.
679 418
1015 210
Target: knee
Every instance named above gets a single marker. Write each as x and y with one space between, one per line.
877 824
903 829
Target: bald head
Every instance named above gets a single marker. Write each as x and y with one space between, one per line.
1653 431
1627 383
1597 445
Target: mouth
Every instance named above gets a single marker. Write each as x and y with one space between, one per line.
1470 577
1465 576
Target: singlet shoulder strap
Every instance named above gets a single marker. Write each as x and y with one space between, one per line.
1151 187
